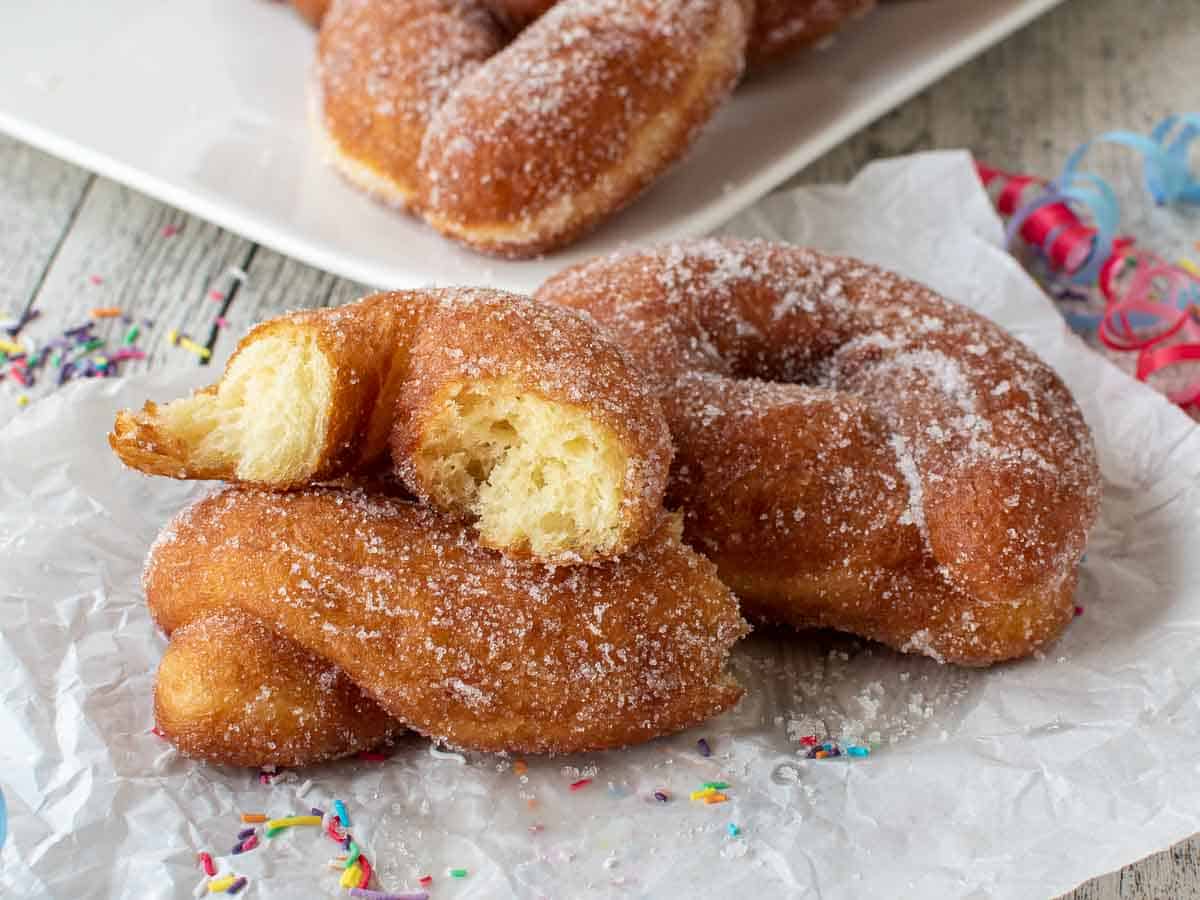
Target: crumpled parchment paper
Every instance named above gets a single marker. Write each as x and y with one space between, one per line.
1019 781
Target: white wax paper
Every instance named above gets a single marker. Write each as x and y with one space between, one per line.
1019 781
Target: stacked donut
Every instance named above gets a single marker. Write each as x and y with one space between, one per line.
515 126
451 510
509 582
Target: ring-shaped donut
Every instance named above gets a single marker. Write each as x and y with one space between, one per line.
852 450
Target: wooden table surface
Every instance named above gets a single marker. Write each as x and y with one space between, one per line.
71 241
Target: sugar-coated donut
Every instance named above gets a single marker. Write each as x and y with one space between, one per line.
231 691
455 641
852 450
518 149
514 415
781 27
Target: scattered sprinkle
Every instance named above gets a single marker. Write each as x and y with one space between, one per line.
170 230
733 830
216 295
254 817
351 876
246 832
716 785
580 784
425 880
106 312
222 322
131 335
23 400
220 885
662 796
714 797
809 740
339 810
457 873
1078 611
206 863
198 349
856 750
95 279
277 825
520 767
705 750
237 885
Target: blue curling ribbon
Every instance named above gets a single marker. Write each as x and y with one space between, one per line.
1168 176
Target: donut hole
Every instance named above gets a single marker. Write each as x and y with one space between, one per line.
535 475
266 419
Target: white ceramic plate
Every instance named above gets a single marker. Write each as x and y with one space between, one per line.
202 103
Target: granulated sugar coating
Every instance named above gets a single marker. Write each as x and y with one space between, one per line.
453 640
480 394
783 26
521 148
854 451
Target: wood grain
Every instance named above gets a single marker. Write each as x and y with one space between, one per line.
1088 66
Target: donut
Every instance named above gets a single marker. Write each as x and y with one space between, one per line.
231 691
781 27
852 450
454 640
512 415
517 150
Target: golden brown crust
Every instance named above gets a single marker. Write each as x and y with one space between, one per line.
452 639
782 27
516 150
392 354
572 120
852 450
232 692
384 67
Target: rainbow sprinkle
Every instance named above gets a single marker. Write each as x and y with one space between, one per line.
339 810
237 885
274 826
580 784
457 873
254 817
702 746
220 885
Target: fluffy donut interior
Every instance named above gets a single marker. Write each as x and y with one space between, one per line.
267 418
534 474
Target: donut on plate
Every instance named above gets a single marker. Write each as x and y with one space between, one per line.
852 450
781 27
507 413
516 150
377 600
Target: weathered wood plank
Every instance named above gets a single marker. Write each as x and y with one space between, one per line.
1085 67
39 195
121 252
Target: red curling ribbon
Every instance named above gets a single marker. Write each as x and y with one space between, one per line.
1159 358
